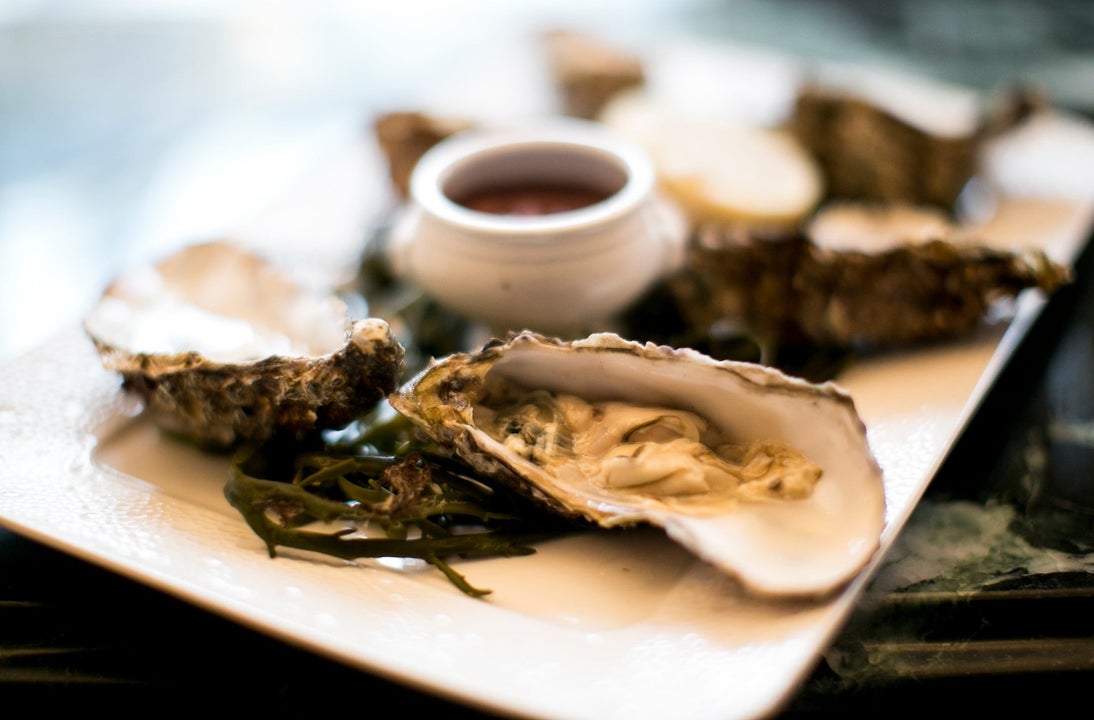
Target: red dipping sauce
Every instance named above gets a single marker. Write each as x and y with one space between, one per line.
530 199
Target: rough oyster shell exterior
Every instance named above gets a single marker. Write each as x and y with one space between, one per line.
787 289
245 393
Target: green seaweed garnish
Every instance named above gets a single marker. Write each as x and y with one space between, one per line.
387 494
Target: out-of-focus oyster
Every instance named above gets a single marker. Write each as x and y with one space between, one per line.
918 148
587 71
899 290
899 140
223 347
404 136
766 476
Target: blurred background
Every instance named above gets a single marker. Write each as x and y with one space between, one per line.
127 126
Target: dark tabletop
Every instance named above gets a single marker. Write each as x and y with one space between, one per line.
1001 547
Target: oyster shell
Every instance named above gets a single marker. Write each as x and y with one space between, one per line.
222 347
789 289
766 476
880 138
404 136
587 72
875 151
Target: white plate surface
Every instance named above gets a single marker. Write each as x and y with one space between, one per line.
588 627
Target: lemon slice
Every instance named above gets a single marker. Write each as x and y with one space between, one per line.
721 170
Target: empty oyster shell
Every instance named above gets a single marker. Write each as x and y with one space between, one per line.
766 476
222 347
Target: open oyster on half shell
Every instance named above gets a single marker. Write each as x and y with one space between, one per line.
766 476
222 347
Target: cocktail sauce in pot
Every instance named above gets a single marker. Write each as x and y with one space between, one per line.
531 199
554 225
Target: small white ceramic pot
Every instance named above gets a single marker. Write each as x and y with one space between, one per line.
564 272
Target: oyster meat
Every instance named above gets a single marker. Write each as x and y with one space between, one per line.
764 475
223 347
